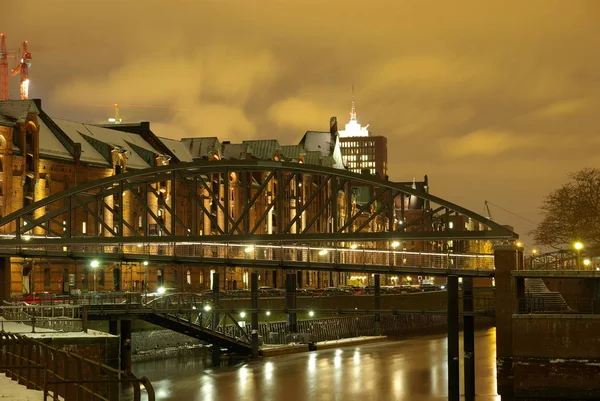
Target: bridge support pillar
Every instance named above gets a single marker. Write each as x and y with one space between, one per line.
290 301
5 279
468 340
216 355
126 345
453 340
506 259
113 327
377 304
254 299
215 290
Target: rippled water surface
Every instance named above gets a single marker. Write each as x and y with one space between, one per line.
413 369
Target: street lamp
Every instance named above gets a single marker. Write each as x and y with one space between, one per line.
578 247
94 264
145 289
586 262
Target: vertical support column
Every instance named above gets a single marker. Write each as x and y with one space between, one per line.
126 345
506 259
5 279
215 290
468 339
290 301
453 340
377 304
254 299
334 205
113 327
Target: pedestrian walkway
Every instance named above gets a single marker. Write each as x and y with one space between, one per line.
10 390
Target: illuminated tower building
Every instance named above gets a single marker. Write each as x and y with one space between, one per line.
361 151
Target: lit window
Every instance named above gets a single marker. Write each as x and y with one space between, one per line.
84 227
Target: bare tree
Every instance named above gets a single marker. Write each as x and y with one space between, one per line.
572 212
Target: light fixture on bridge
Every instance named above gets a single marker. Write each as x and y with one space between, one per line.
586 262
353 246
249 249
207 308
519 244
534 251
95 263
26 237
578 245
395 244
161 290
323 252
242 314
268 313
311 313
145 263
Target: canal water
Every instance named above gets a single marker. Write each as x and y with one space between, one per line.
412 369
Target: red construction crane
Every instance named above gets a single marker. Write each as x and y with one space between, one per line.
3 68
23 69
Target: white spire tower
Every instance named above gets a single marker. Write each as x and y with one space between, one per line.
353 128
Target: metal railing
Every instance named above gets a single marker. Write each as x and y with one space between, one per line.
64 375
562 306
301 255
57 317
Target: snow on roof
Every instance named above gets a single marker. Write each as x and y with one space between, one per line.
319 141
17 109
201 147
50 146
111 137
178 148
121 139
88 153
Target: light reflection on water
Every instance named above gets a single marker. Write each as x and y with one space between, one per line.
412 369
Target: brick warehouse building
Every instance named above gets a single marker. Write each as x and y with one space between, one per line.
41 156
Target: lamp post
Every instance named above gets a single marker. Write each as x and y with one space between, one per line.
145 263
578 247
94 264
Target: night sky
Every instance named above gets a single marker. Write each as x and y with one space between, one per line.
494 100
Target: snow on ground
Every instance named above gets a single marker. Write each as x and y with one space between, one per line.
12 391
23 329
349 341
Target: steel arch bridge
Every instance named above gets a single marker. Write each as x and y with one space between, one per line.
249 213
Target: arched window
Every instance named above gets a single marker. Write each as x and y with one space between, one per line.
189 277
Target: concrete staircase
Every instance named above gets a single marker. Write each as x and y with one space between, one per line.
541 300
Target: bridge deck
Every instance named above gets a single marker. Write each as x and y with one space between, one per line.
340 259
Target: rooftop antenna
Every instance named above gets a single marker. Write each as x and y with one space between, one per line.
353 111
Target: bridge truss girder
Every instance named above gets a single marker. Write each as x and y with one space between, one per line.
239 201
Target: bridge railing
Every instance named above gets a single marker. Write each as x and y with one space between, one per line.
570 306
64 375
304 255
57 317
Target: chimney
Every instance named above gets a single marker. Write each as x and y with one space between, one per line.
333 129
